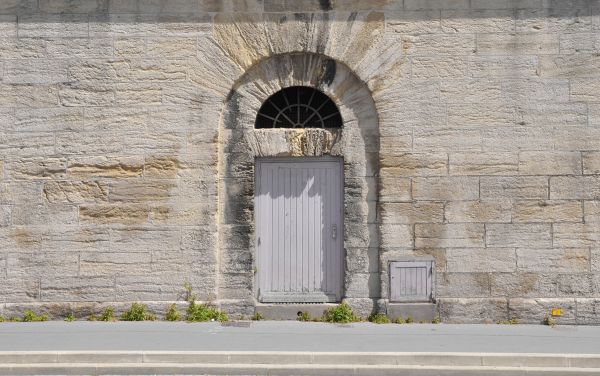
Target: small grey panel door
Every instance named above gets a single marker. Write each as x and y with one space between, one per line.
411 281
299 234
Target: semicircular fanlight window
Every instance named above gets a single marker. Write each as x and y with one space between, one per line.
299 107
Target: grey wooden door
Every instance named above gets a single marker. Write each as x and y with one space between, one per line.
299 234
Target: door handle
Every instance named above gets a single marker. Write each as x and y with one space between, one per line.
334 232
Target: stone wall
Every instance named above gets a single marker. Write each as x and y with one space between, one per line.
114 146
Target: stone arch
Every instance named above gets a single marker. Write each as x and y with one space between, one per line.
240 143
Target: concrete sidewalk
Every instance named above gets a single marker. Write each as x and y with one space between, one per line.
290 348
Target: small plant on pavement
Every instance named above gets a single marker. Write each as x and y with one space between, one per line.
137 312
340 314
257 316
172 313
379 318
399 320
204 312
303 316
30 316
409 320
107 315
548 320
70 318
436 320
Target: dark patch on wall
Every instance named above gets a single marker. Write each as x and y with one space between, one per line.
232 110
327 74
325 4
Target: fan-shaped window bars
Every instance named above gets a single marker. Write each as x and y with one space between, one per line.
298 107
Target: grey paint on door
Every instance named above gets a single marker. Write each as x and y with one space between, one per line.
299 229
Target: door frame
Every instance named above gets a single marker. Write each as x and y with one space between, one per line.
309 297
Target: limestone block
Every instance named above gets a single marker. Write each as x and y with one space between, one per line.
394 118
121 213
240 261
17 145
409 213
140 239
587 311
481 115
34 71
413 164
87 94
141 191
585 89
533 311
50 26
19 290
198 238
150 24
478 21
579 43
575 285
8 26
504 4
591 209
447 139
512 66
297 5
418 91
114 263
37 168
463 235
518 44
183 118
576 235
488 211
183 213
414 22
138 94
591 163
445 188
473 311
242 37
493 187
361 260
47 120
231 5
42 215
480 91
22 48
499 163
27 95
394 189
396 236
595 259
462 285
577 138
26 265
20 238
5 212
439 44
130 47
549 163
551 20
75 192
74 238
360 211
85 167
435 4
92 72
235 286
569 66
547 211
443 67
570 260
484 260
156 287
67 6
153 6
85 48
115 119
18 6
523 285
16 192
78 289
594 114
531 91
531 235
575 187
362 285
91 143
154 142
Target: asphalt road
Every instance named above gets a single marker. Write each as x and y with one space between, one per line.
296 336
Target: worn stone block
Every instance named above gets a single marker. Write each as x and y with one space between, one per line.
513 67
478 21
22 48
504 138
462 285
436 4
547 211
26 265
569 66
517 44
575 187
193 214
33 71
437 254
549 163
571 260
484 260
47 120
414 22
460 310
74 238
527 235
591 210
78 289
67 6
84 93
552 20
394 189
49 26
500 163
114 263
42 214
439 44
28 95
430 212
587 310
414 164
533 311
552 114
127 214
142 191
464 235
397 236
105 167
140 239
75 192
443 67
488 211
591 163
576 235
445 188
37 168
577 138
156 287
493 188
19 290
523 285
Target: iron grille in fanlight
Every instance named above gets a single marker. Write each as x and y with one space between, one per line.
299 107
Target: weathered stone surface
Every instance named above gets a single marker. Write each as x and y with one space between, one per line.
397 236
478 211
394 189
27 265
518 235
576 235
549 163
558 19
409 213
37 168
486 260
522 284
78 289
445 188
571 260
483 163
478 21
547 211
591 163
473 311
591 210
465 285
140 239
414 22
519 44
114 263
467 235
441 44
575 187
411 164
436 4
107 167
42 215
141 191
126 214
533 311
75 192
493 188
